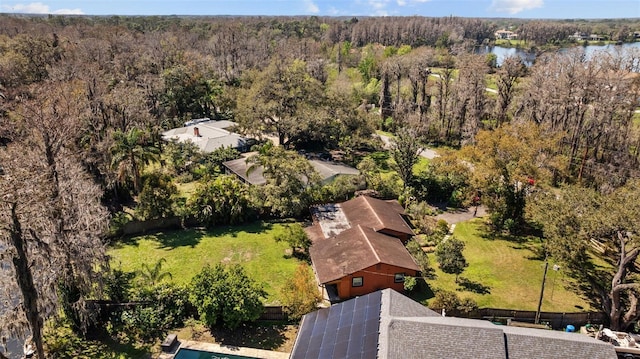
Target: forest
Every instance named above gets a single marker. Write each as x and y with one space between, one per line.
551 150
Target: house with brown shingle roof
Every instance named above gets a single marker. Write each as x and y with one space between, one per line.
361 247
359 261
383 216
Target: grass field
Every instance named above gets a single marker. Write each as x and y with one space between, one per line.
510 43
186 252
506 274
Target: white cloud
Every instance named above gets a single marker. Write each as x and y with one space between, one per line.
69 12
515 6
38 8
311 7
405 2
378 5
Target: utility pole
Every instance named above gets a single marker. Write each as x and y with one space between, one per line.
544 277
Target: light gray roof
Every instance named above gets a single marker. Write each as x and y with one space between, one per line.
409 330
421 338
327 170
330 169
240 166
523 343
207 135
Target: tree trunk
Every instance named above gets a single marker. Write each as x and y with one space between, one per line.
24 277
618 286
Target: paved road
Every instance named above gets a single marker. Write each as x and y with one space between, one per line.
426 153
462 215
451 217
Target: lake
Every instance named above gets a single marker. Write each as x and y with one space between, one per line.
529 57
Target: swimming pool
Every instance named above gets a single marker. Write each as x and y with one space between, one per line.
199 354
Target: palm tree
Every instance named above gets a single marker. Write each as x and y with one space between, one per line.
130 151
153 275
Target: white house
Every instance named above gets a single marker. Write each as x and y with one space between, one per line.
208 135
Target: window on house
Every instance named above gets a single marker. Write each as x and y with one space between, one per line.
356 282
399 278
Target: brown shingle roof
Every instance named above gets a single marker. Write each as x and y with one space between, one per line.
356 249
376 214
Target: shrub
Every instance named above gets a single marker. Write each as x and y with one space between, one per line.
300 295
117 223
118 284
223 200
157 196
450 257
451 303
410 283
226 295
165 306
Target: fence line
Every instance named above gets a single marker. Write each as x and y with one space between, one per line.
557 320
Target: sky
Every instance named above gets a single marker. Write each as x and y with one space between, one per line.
537 9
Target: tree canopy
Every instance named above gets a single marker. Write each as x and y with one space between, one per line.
579 223
226 296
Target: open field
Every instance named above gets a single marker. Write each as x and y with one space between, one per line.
186 252
510 43
506 274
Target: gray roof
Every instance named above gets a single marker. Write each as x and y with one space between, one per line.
439 337
212 135
327 170
239 167
409 330
330 169
523 343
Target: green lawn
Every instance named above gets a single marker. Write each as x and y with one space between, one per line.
186 189
508 273
186 252
510 43
421 165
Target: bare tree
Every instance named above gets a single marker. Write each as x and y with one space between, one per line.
51 218
507 78
471 95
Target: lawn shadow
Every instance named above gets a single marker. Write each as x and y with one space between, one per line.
180 238
129 348
192 236
591 282
423 291
487 233
260 335
467 284
381 158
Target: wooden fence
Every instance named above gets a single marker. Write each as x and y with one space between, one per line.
273 313
556 320
105 308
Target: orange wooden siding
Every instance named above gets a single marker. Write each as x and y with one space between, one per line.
380 276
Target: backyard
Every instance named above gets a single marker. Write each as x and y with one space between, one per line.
506 273
187 251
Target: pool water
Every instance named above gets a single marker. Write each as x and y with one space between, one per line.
199 354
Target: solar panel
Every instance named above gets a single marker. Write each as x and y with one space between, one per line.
345 330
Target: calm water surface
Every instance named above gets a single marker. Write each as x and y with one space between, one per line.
529 57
